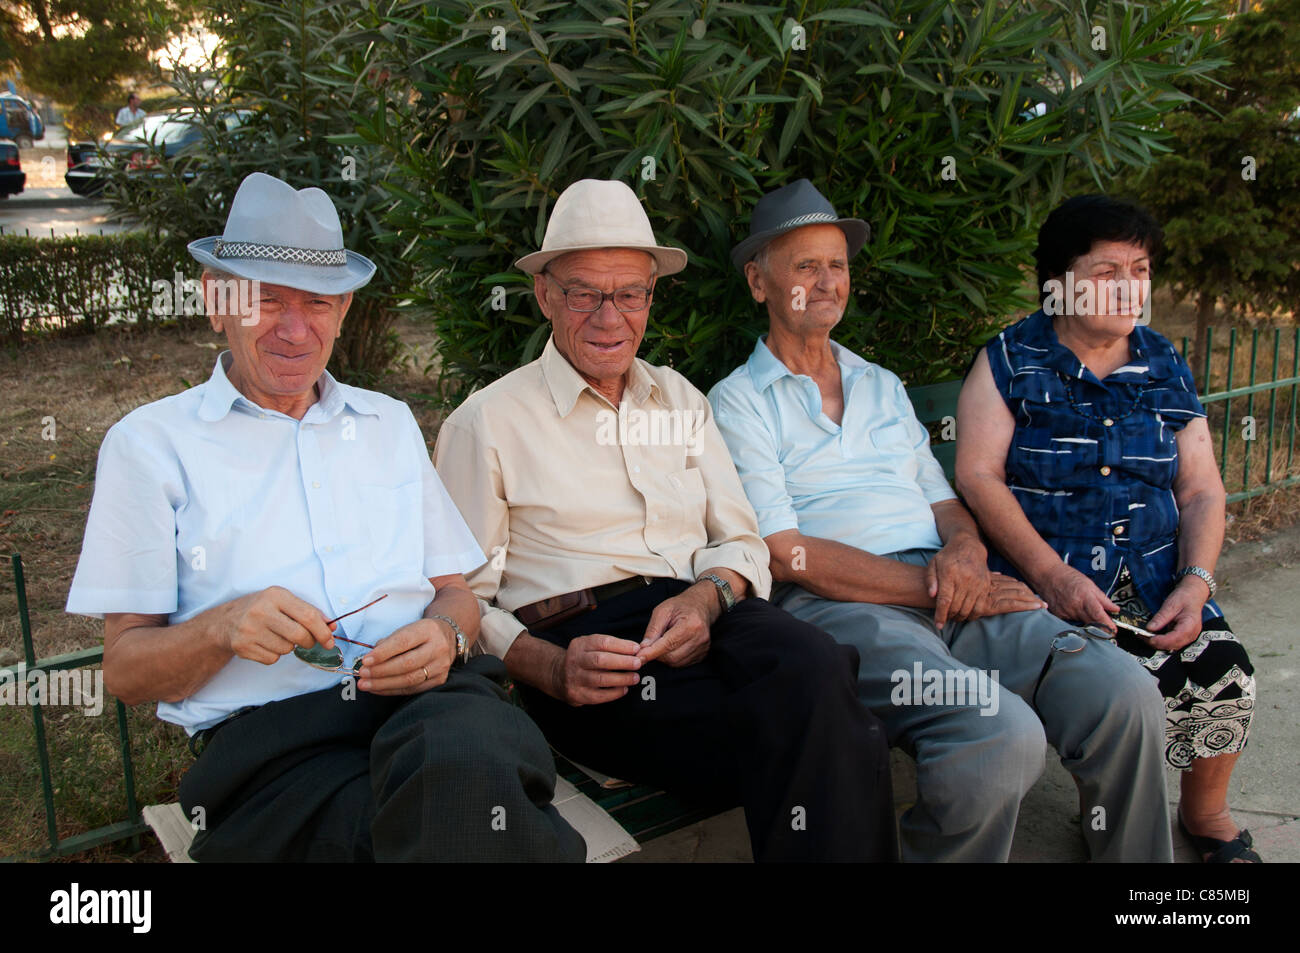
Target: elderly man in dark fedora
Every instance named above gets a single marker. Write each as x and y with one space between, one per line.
627 578
868 542
279 567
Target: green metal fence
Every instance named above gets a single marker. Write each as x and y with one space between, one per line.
1254 457
133 826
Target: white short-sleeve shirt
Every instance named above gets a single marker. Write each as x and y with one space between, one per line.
204 496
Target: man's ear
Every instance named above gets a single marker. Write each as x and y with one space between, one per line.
210 303
754 278
347 303
539 292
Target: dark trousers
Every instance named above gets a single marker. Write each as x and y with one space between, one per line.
770 719
456 773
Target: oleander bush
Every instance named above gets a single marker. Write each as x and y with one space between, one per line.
949 126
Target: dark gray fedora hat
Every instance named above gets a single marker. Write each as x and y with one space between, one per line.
794 206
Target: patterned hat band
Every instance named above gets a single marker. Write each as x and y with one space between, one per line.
808 219
298 256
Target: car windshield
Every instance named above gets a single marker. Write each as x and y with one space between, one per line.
167 127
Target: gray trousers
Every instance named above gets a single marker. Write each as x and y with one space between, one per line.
976 757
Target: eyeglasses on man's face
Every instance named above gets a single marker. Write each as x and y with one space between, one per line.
582 299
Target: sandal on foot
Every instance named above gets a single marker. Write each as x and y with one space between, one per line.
1215 851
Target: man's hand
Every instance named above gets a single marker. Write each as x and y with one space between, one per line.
413 659
1004 595
957 578
263 626
1074 597
595 669
678 632
1182 607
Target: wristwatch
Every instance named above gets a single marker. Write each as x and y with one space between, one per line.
462 646
1203 574
725 596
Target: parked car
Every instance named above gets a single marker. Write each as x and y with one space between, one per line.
139 148
20 120
12 177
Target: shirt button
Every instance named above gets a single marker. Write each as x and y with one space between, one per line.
1108 422
315 485
261 416
636 469
343 601
1118 531
329 549
1105 471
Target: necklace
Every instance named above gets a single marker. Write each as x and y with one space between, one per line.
1134 401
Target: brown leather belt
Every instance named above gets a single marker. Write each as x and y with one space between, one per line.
545 613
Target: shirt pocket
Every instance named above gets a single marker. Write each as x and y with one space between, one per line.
394 523
892 439
688 489
1053 462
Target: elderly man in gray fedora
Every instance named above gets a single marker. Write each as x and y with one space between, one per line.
868 541
278 566
626 586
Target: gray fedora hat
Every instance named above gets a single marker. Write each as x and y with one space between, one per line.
284 236
794 206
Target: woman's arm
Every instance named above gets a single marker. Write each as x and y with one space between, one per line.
985 429
1198 490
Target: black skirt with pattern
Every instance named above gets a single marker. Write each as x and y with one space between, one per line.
1209 685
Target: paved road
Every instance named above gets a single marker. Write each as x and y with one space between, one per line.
1260 595
43 212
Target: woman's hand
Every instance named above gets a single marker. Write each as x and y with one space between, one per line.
1074 597
1182 611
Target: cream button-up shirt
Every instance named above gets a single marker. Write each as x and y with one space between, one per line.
564 491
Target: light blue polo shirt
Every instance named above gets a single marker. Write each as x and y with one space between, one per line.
868 482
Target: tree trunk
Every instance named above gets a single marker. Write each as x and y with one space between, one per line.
1204 315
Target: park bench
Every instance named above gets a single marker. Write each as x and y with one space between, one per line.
642 812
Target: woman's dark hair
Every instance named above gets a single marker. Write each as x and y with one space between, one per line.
1077 224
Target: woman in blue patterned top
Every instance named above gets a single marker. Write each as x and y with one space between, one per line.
1086 457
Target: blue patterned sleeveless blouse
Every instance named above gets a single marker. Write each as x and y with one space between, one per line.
1091 462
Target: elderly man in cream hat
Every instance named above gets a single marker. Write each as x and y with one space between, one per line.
279 567
626 589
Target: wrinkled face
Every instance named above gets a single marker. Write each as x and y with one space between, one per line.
601 344
1111 285
805 279
280 338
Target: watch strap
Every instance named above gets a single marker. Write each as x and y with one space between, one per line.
726 597
462 646
1203 574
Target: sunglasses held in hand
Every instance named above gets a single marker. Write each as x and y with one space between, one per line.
331 660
